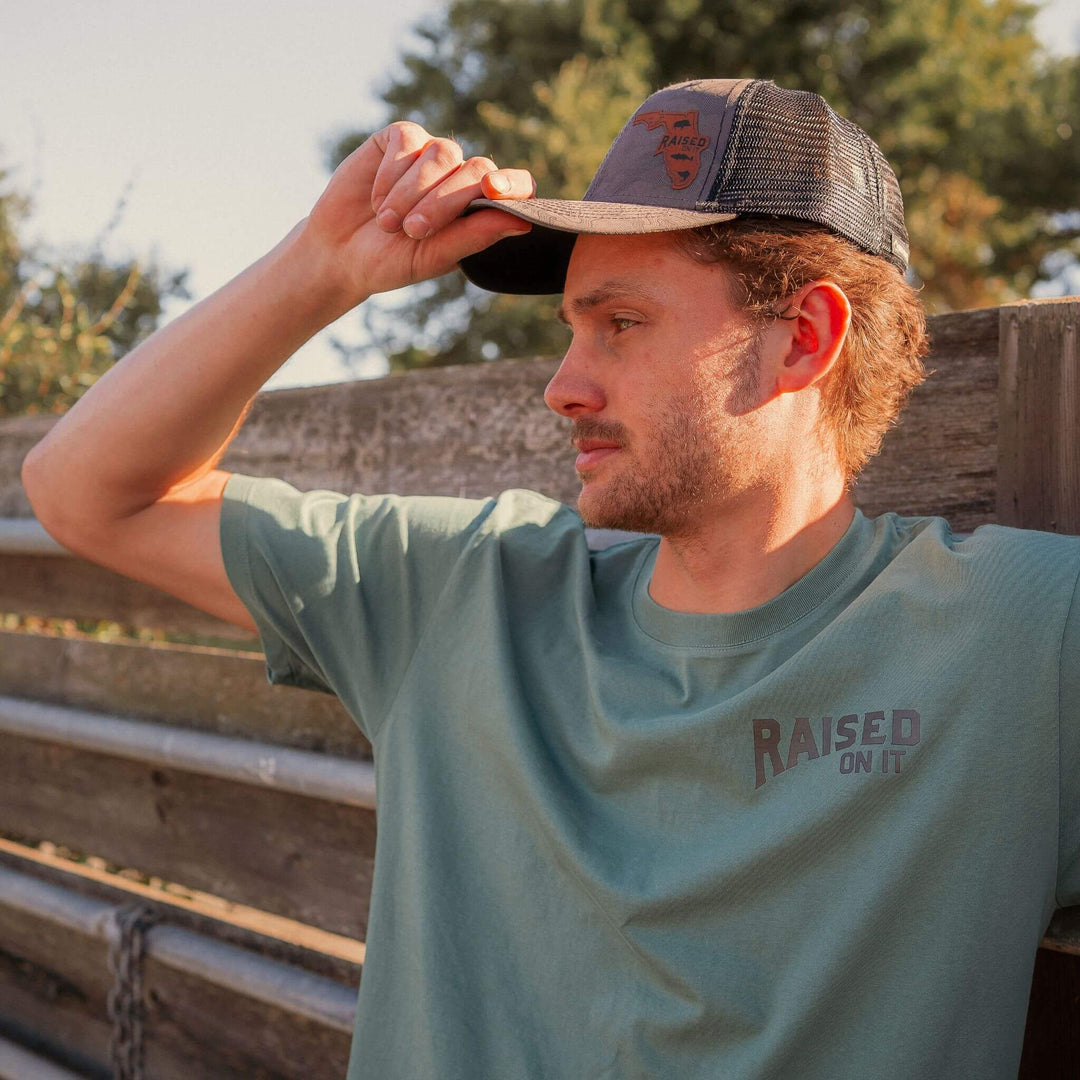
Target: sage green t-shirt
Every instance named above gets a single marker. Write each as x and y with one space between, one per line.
820 839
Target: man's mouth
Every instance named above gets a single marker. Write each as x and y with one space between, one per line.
593 451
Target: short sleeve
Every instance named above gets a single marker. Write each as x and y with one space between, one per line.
341 587
1069 757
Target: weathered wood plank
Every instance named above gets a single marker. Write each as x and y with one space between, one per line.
54 982
53 987
1039 457
303 858
1039 488
471 430
73 588
942 456
190 686
196 1031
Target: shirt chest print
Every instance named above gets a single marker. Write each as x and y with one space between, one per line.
862 743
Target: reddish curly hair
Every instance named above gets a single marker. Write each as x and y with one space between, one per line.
881 361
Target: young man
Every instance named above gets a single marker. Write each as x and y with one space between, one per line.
780 791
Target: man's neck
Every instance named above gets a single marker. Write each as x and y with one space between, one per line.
747 557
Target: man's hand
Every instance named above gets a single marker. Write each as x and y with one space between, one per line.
127 477
390 215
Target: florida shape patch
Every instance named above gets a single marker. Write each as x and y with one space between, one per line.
681 144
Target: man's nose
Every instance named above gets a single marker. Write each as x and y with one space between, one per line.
572 389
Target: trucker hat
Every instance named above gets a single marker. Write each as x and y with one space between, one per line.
701 153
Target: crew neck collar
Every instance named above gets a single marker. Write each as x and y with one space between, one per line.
851 552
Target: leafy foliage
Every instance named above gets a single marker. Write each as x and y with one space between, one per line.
979 122
63 325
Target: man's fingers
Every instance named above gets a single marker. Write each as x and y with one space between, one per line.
401 144
349 192
417 187
407 175
508 184
447 202
438 160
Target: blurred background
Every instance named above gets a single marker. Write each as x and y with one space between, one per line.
149 152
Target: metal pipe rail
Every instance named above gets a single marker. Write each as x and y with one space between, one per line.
25 536
18 1063
301 772
296 991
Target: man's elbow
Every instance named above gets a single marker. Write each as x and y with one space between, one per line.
33 483
45 494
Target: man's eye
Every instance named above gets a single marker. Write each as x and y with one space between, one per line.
621 322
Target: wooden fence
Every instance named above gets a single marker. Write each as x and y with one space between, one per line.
183 763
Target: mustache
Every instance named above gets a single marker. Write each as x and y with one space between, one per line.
607 430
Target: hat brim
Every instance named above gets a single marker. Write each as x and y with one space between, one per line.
535 262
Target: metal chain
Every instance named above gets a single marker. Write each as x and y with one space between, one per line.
125 1004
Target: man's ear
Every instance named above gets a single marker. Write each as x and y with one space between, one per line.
808 335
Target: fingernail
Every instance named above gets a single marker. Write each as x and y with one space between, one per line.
499 183
514 232
416 226
388 220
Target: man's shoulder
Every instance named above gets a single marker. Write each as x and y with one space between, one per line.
1026 544
1000 558
1034 560
984 539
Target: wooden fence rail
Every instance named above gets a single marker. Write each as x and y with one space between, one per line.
183 763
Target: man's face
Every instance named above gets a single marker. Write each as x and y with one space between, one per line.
661 384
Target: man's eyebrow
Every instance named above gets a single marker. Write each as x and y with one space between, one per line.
615 289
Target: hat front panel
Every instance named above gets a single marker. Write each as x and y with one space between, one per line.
669 151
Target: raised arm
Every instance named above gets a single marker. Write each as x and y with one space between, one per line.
127 477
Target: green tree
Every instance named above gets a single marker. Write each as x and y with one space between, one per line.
64 322
978 120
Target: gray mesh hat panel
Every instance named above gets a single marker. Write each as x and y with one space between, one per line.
705 152
791 156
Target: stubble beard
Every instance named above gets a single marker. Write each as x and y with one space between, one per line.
692 464
657 496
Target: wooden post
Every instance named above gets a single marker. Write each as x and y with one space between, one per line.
1039 488
1039 416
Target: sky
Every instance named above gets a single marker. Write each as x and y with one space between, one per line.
210 119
